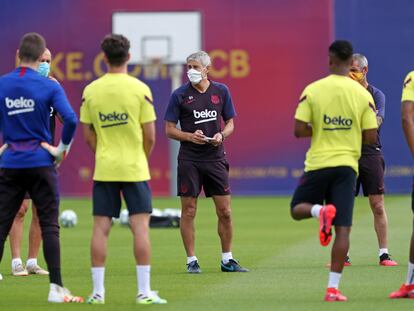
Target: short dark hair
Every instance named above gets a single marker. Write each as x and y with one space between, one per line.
116 49
32 46
342 49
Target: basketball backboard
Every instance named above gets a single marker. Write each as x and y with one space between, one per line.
168 36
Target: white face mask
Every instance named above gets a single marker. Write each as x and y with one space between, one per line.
194 76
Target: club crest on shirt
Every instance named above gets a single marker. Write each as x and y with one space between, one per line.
215 99
189 100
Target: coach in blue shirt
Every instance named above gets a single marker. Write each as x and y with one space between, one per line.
27 159
372 165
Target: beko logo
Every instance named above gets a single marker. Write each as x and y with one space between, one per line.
206 115
19 105
116 118
339 122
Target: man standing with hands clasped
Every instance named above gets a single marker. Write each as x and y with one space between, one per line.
200 106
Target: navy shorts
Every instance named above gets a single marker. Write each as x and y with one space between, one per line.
371 175
107 198
335 185
213 177
42 185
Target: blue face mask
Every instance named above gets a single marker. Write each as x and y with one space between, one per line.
44 69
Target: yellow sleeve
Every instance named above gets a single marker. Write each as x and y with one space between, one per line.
408 88
147 107
85 116
369 115
304 111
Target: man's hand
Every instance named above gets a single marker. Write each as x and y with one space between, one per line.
3 148
59 153
197 137
217 139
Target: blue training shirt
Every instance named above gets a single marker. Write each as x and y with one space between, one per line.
379 100
26 99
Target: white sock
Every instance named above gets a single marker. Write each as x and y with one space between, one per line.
225 257
54 287
143 276
315 210
191 258
334 279
383 251
98 277
410 274
31 262
15 262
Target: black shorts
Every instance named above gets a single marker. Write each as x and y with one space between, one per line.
42 185
107 198
213 177
371 175
335 185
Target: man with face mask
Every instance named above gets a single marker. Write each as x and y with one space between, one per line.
371 163
200 106
16 232
27 160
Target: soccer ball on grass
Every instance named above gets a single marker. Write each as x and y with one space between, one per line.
68 218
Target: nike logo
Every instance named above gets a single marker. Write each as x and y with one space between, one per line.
231 268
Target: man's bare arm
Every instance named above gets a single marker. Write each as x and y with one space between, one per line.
407 118
302 129
89 135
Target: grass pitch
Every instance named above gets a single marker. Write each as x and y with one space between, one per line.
287 263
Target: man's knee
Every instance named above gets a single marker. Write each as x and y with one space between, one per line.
294 214
224 212
189 209
102 226
49 229
377 207
139 223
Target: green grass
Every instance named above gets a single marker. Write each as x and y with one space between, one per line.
287 263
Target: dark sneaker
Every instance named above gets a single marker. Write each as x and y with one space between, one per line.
385 260
232 266
193 267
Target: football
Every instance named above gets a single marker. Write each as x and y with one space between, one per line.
68 218
124 218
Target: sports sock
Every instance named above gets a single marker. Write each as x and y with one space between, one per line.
315 210
383 251
143 277
191 258
15 262
31 262
334 279
225 257
410 274
98 277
